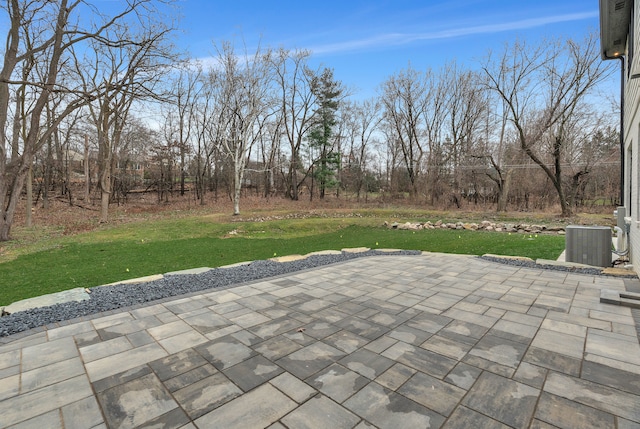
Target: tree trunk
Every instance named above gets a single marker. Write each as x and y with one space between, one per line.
237 190
6 216
28 220
504 192
576 181
105 189
48 171
182 169
5 228
294 181
87 179
312 185
567 210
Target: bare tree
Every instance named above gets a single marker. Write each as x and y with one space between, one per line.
183 103
293 81
434 117
464 106
360 122
404 97
243 87
202 118
37 32
121 74
65 135
133 148
270 150
492 150
543 87
44 32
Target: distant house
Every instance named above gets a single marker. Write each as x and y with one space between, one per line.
73 162
619 29
133 168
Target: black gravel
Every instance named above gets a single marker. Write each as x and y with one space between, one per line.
106 298
567 268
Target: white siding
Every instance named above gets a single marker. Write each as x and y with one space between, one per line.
632 136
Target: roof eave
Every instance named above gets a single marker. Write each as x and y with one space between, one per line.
614 27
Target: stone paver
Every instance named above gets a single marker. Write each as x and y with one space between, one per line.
321 412
438 341
135 402
338 382
76 294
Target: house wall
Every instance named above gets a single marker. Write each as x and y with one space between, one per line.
632 136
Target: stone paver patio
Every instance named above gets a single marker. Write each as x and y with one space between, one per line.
389 342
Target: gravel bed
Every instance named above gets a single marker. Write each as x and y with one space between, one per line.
532 264
105 298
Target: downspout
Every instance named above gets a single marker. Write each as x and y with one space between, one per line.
622 70
622 169
621 129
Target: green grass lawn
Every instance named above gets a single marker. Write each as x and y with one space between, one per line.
140 249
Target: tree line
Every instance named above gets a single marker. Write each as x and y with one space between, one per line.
526 129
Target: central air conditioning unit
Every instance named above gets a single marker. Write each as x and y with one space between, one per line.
590 245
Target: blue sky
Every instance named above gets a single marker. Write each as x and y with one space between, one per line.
367 41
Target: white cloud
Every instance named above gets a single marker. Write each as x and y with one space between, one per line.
394 39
